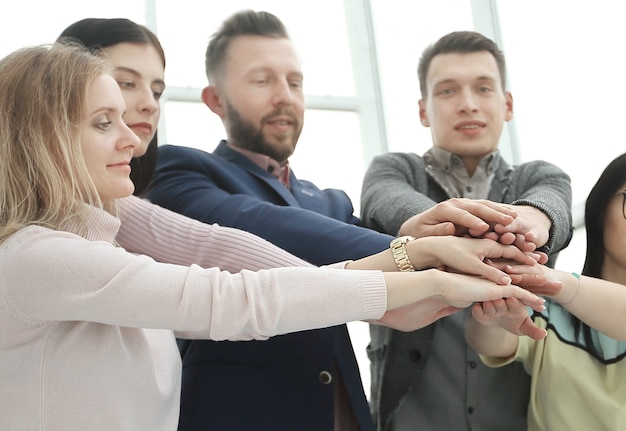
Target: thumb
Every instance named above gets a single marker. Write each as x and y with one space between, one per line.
531 330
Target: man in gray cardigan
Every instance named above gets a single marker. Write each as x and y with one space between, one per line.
430 379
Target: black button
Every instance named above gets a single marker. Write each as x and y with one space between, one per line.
470 410
325 377
472 364
469 189
415 355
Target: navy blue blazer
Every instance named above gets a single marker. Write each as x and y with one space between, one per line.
278 384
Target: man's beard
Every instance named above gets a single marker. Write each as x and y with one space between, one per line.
244 134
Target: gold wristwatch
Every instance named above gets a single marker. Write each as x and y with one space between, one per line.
398 250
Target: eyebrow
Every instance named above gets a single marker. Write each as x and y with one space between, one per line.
266 69
100 109
479 78
138 75
486 78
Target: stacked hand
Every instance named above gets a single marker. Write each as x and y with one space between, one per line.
453 292
525 227
510 314
500 245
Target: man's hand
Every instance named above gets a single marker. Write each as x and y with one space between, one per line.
523 226
510 314
530 229
460 217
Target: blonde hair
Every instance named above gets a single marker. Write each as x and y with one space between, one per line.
43 175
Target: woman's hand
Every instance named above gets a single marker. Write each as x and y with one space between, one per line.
539 279
417 299
509 314
467 255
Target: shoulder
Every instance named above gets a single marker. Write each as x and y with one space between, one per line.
538 167
397 156
34 244
175 156
396 160
180 151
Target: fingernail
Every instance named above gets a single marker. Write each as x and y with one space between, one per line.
505 279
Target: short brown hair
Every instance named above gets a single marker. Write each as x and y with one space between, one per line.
246 22
460 42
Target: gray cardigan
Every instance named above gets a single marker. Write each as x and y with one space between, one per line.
400 185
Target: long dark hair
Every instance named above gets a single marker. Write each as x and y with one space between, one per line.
98 33
611 180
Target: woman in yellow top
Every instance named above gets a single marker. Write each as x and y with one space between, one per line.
576 358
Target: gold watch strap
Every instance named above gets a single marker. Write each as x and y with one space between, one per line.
398 250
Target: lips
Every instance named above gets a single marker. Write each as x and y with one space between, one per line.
470 125
141 128
123 163
281 121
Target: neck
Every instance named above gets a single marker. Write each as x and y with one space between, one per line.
613 271
471 163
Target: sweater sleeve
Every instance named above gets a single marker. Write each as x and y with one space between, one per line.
547 188
390 193
57 276
170 237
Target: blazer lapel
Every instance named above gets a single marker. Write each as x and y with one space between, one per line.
249 166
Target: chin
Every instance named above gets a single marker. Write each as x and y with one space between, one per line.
141 149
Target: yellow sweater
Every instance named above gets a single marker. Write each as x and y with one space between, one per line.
571 389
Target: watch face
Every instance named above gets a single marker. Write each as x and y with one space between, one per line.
404 239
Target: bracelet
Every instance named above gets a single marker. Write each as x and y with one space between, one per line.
400 256
577 289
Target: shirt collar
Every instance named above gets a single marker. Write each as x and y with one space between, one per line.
265 162
475 187
449 162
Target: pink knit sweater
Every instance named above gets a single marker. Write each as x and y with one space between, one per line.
74 351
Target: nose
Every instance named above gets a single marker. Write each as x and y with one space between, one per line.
468 102
283 95
128 138
147 101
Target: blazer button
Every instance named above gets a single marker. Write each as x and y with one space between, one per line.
415 355
326 377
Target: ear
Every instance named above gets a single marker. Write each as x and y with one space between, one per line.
509 106
423 116
211 98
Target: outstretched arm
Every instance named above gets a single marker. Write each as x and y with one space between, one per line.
169 237
598 303
210 189
465 255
